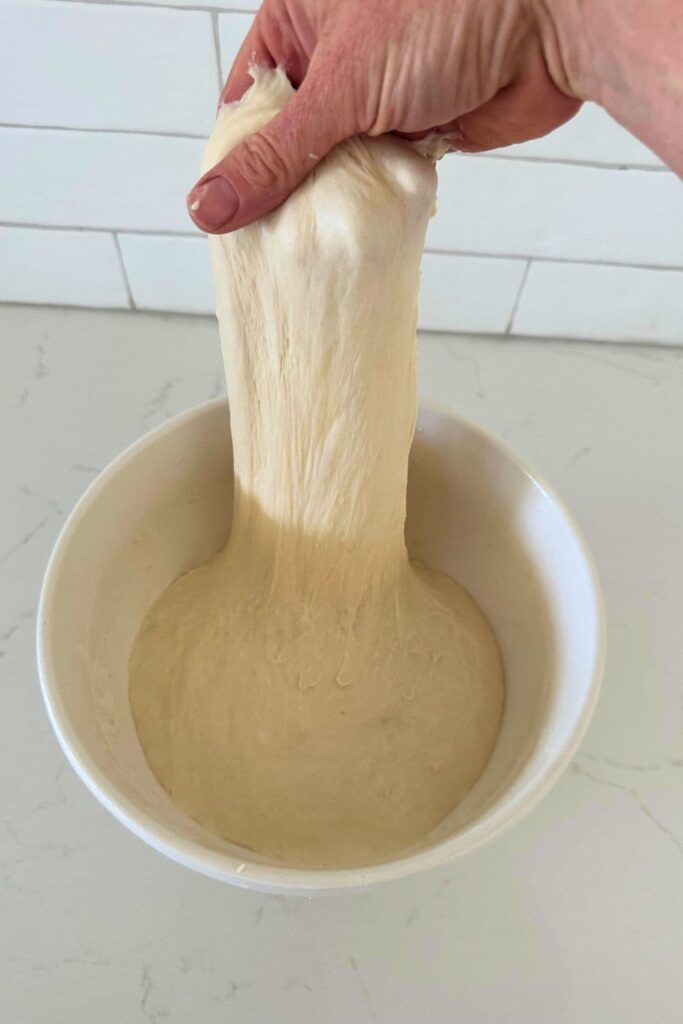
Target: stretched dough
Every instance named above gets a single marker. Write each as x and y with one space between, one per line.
309 693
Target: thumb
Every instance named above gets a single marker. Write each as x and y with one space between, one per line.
265 168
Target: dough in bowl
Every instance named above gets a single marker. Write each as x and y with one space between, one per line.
309 693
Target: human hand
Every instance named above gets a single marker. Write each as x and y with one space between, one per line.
475 71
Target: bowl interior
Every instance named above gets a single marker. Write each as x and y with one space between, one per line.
474 512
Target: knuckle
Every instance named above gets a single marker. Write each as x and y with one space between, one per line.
262 166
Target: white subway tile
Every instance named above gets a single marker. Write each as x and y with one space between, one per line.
468 293
602 303
509 207
86 65
592 136
92 179
67 268
232 29
172 274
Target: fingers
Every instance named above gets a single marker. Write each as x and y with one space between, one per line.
262 171
529 108
272 41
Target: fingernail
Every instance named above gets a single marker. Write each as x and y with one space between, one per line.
214 203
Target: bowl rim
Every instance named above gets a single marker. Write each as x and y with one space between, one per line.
281 879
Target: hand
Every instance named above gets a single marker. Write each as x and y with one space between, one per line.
473 70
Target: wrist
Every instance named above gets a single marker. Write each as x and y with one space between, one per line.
624 55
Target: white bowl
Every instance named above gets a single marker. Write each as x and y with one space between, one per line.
475 510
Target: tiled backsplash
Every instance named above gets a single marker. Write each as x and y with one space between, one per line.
104 108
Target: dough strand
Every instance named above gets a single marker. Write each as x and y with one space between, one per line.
309 693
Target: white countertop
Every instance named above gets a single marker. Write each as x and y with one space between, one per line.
573 917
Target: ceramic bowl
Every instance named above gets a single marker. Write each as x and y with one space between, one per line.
475 511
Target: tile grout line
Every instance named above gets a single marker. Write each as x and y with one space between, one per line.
101 131
217 46
466 253
515 305
151 233
150 5
572 260
146 132
568 162
124 271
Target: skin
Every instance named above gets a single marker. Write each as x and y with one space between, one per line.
484 73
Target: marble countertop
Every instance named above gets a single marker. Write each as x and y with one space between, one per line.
573 917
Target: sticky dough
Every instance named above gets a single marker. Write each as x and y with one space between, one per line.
309 693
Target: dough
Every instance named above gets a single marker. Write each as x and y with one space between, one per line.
310 694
